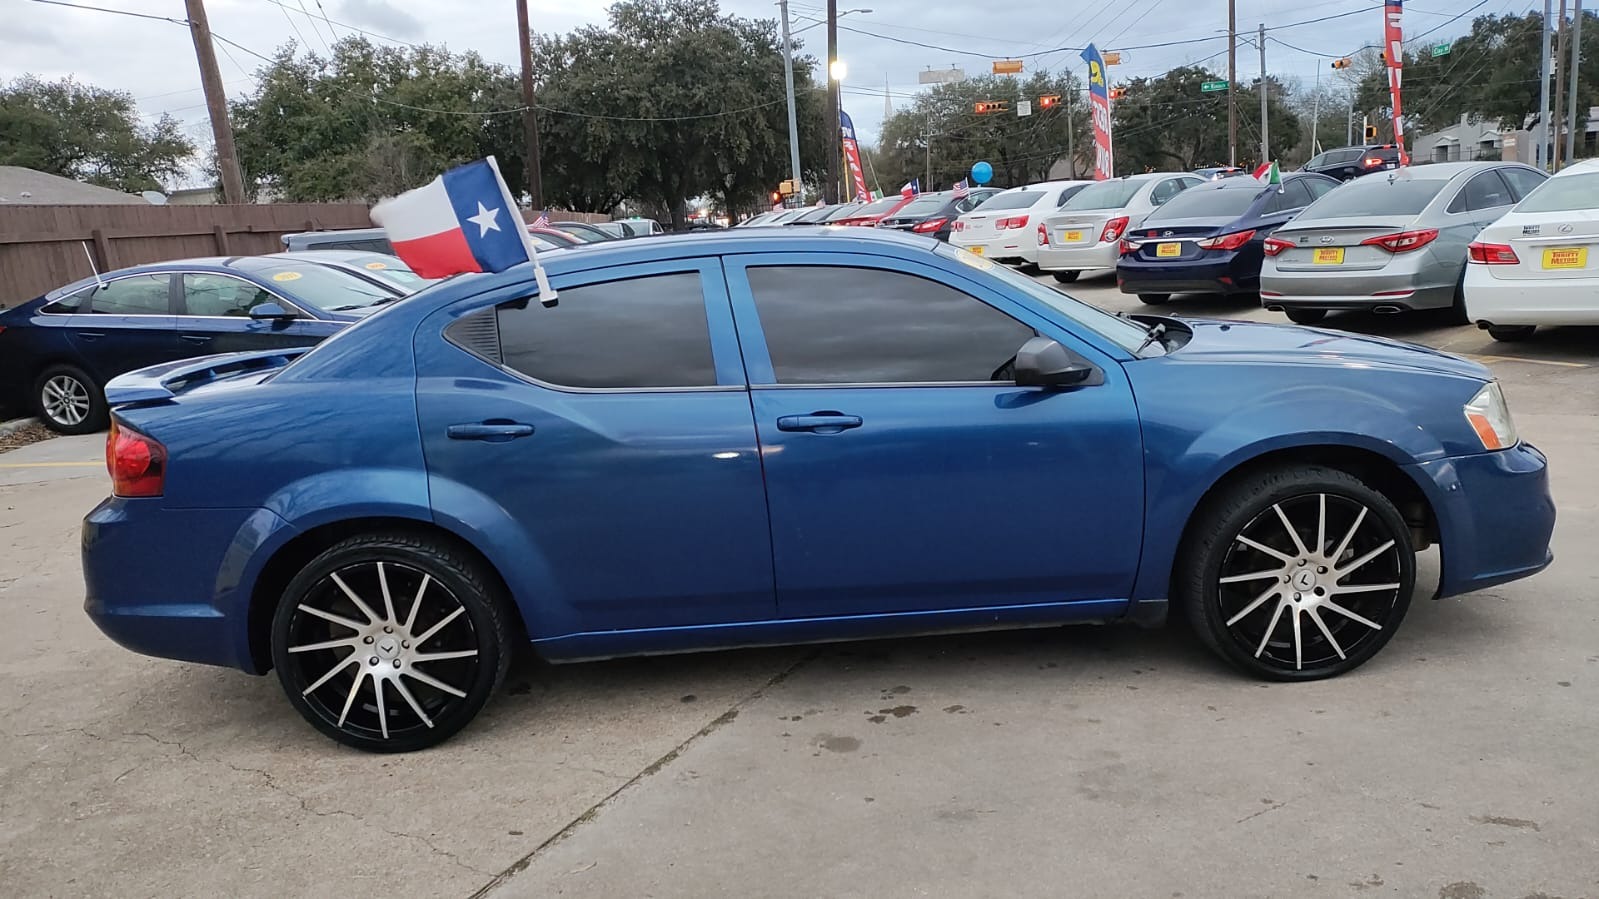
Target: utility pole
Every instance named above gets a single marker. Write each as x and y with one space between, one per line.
793 118
1265 131
927 142
1560 66
1541 152
1071 153
1315 110
834 148
1349 133
530 125
1232 82
1575 65
216 101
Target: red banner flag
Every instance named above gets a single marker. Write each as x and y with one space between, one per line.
1099 105
1394 41
852 157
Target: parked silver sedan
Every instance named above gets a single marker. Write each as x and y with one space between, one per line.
1389 242
1086 233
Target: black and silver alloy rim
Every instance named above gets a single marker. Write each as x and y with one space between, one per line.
381 650
1310 582
65 400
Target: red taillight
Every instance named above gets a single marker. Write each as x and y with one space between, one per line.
1015 221
1276 245
960 225
1128 248
929 226
1043 235
1492 254
1114 229
138 464
1227 241
1372 162
1404 241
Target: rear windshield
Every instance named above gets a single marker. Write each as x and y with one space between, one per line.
1104 195
1567 193
815 215
924 205
1020 199
879 207
844 211
1375 195
319 286
1207 202
392 270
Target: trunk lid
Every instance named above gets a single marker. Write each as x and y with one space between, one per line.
1336 245
1549 246
1078 229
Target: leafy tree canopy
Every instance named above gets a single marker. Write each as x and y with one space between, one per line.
84 132
1169 123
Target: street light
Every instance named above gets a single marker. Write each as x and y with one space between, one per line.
839 70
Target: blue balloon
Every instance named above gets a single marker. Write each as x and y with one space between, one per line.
982 173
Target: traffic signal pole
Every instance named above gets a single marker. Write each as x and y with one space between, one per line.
835 149
1232 82
793 118
1265 90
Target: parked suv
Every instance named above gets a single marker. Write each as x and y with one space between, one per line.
1352 162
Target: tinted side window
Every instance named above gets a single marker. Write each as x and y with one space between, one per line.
1485 191
221 295
641 332
1522 181
1165 190
136 295
1292 196
1317 187
69 304
1317 161
836 325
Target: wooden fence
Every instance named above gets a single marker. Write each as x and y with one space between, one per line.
45 247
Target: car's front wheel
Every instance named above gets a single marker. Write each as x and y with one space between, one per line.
69 401
391 642
1066 277
1306 316
1296 573
1511 332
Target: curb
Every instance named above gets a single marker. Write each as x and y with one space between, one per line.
16 424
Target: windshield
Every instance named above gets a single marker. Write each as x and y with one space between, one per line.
318 286
843 211
880 207
392 270
581 235
1375 195
1127 334
818 214
1012 199
1207 202
1104 195
926 204
1568 193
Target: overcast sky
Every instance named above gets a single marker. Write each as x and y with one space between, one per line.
154 60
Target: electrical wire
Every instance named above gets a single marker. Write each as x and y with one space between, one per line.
120 12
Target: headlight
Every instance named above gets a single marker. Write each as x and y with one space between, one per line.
1490 418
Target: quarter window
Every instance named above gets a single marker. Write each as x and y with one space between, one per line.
134 295
1522 181
1485 191
838 325
221 295
630 334
1293 195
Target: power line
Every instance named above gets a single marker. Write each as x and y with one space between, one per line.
120 12
332 22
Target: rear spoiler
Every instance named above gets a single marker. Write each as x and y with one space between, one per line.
159 383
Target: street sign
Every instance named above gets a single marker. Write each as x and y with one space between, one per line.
1440 50
1113 58
1007 66
1024 108
941 76
1210 87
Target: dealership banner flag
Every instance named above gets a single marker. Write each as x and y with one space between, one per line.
1099 104
1394 40
852 156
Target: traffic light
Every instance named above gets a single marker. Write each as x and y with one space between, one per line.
1371 132
985 107
1383 55
1344 63
1048 100
776 198
1116 93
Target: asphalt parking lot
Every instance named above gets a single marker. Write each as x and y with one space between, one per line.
1113 762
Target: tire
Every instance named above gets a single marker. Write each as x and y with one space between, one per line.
69 401
1511 333
1248 627
1154 299
1306 316
1066 277
390 704
1457 310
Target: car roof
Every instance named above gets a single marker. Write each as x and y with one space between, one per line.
1443 171
1586 166
344 256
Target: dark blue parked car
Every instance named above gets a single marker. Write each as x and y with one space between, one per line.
58 351
1211 238
774 435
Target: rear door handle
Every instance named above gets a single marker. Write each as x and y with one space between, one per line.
819 422
490 431
195 338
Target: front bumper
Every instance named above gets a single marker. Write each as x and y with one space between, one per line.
1079 258
1495 516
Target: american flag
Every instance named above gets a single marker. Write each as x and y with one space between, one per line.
543 221
962 189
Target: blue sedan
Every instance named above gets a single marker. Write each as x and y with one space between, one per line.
58 351
1211 238
769 436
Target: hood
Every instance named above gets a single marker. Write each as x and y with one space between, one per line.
1234 341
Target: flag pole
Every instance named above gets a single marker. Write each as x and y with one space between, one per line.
547 295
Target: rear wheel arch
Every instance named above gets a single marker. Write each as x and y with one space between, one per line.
291 557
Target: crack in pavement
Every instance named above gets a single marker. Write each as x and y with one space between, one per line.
671 755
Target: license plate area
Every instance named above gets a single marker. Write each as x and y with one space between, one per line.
976 251
1168 250
1556 258
1328 256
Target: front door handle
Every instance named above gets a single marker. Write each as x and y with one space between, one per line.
819 422
494 431
195 338
91 335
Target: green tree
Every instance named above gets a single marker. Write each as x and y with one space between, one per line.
84 132
1169 123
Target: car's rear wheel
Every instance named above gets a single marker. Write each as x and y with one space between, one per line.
1066 277
1154 299
1306 316
1511 332
391 642
69 401
1297 574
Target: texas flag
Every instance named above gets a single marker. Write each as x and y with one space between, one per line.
462 221
912 188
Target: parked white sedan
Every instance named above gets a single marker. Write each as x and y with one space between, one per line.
1539 264
1007 226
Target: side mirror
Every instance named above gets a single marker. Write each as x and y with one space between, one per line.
1042 362
271 312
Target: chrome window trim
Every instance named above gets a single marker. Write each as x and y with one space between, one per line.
856 385
102 282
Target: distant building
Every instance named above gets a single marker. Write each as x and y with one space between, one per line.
1469 140
27 187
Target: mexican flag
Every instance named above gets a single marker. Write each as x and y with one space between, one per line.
1269 173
